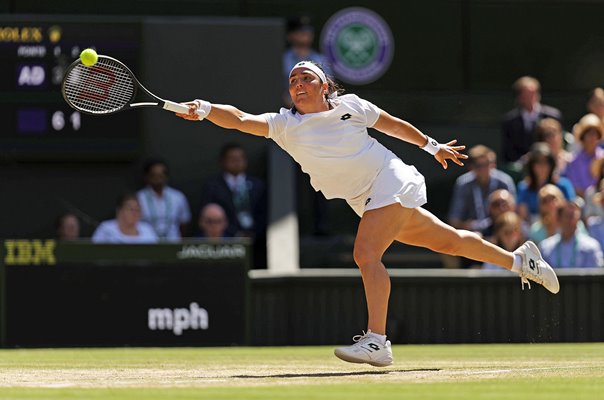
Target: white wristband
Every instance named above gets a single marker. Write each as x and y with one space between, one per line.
432 146
203 108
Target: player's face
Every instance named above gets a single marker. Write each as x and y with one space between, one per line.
307 91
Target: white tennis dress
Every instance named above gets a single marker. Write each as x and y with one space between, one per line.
343 161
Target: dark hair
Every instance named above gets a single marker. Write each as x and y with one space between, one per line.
153 161
225 149
123 198
538 151
332 86
299 23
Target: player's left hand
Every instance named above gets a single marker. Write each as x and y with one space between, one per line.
450 152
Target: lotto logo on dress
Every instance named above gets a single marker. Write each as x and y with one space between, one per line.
358 43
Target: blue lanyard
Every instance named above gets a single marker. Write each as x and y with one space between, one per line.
154 218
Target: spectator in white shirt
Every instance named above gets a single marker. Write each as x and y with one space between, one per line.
127 226
165 208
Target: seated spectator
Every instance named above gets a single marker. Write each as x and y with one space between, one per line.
595 223
518 126
594 208
127 226
469 207
68 226
242 197
213 222
550 198
550 131
540 167
588 132
507 234
163 207
500 202
570 248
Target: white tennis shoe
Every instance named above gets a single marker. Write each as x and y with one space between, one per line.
535 268
366 349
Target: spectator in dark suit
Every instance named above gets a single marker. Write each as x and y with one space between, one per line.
242 197
595 102
519 124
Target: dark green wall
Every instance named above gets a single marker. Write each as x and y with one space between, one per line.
181 59
437 307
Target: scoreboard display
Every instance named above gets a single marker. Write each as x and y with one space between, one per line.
37 124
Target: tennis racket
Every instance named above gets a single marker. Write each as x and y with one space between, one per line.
108 87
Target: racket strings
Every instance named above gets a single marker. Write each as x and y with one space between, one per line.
102 88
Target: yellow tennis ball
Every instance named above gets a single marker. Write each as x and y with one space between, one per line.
89 57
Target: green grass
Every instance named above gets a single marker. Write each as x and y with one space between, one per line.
509 371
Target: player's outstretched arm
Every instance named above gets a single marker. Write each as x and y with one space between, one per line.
403 130
227 117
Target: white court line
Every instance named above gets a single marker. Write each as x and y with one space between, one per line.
507 371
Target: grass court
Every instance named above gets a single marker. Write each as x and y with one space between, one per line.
502 371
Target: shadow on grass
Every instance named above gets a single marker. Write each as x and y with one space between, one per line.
335 374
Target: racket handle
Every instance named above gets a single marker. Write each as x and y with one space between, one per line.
175 107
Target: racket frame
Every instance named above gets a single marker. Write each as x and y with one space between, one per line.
165 104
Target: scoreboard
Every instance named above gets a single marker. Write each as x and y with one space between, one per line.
37 124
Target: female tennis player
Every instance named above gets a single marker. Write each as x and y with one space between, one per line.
327 135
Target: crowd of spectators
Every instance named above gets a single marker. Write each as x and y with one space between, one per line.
233 204
550 188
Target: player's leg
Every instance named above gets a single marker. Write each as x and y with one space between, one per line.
425 230
377 230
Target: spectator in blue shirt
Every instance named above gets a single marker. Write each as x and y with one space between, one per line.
469 205
570 248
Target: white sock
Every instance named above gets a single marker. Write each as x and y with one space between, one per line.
517 264
381 338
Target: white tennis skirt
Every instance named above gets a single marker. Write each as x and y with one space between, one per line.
397 182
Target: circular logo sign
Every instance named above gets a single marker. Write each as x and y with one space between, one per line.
358 44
